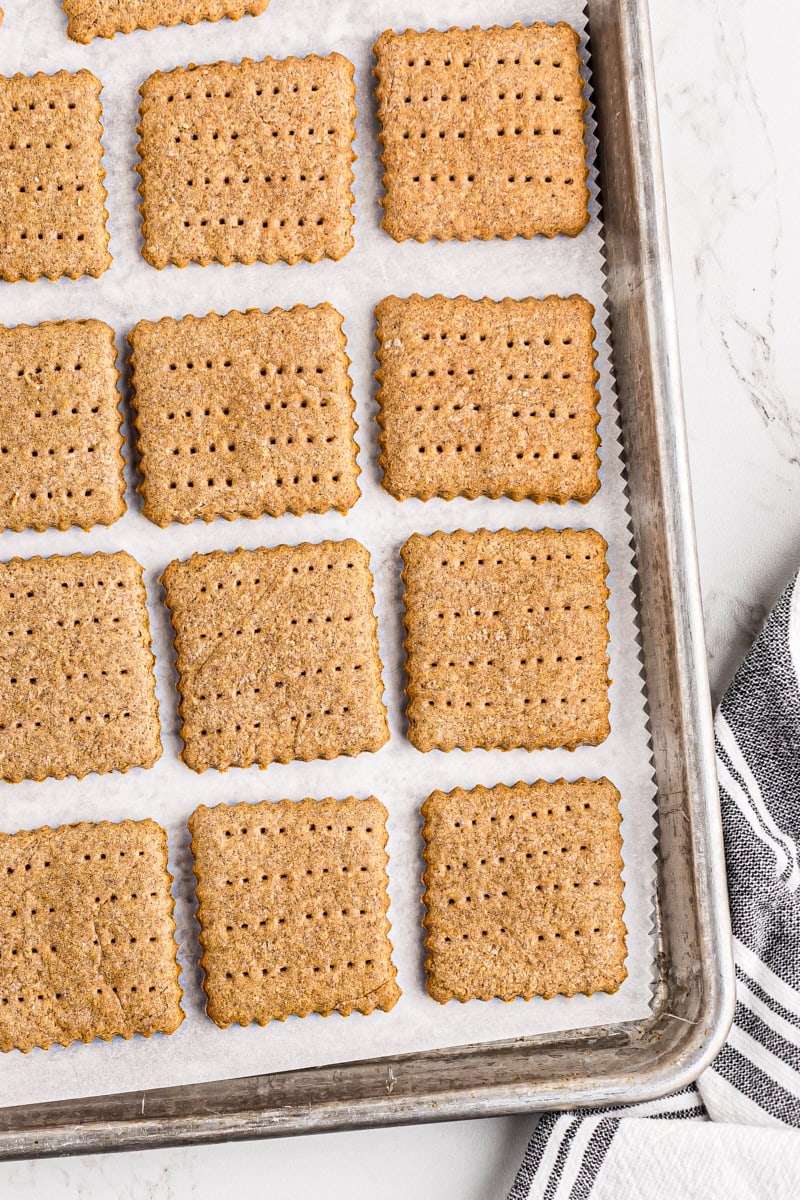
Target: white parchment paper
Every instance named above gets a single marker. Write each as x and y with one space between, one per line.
33 38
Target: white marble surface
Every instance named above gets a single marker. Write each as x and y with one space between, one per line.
732 178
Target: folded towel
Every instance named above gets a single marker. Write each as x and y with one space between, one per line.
651 1150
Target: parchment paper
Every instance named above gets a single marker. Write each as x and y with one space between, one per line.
33 38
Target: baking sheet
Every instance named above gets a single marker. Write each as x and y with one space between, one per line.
398 774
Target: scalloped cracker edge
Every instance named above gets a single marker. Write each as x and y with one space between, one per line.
506 639
77 689
483 132
271 429
61 460
86 917
209 195
89 19
523 891
513 410
52 201
293 909
277 655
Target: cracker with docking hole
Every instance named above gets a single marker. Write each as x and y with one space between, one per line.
483 132
277 655
52 199
60 442
89 19
77 692
524 891
488 398
244 414
87 935
506 639
248 162
292 909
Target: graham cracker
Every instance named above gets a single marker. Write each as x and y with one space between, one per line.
483 132
244 414
507 639
277 655
52 200
292 909
60 442
89 19
87 935
488 398
524 891
77 692
248 162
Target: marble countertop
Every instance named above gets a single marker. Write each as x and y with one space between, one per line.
732 190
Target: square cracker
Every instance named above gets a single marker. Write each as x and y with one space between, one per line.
292 909
52 200
524 891
89 19
60 440
488 398
248 162
277 655
245 414
482 132
87 935
77 692
506 639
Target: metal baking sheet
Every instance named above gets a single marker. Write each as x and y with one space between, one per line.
668 1043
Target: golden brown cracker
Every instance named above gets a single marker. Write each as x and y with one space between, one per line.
60 440
488 398
292 909
277 655
248 162
524 891
89 19
52 198
244 414
507 639
87 936
482 132
77 692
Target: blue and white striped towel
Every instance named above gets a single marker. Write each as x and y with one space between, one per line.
696 1141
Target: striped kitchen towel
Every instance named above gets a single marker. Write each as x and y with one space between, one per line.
667 1147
